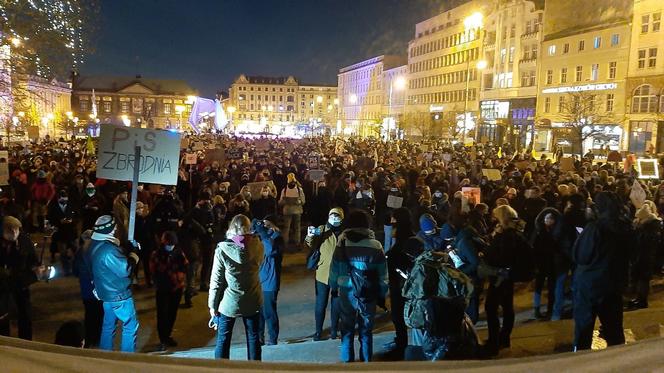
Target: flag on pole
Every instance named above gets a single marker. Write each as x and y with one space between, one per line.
500 152
534 154
90 146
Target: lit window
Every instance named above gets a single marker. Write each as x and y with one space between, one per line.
597 42
594 71
552 50
549 76
644 100
561 104
547 104
579 73
615 39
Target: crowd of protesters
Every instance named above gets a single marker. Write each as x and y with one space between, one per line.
586 230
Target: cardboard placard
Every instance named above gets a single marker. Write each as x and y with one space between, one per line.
215 155
160 154
567 164
317 175
394 202
4 167
472 193
522 165
190 158
255 188
198 145
647 168
235 153
313 161
493 174
262 145
33 133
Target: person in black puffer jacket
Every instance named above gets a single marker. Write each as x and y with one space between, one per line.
552 245
508 251
601 272
648 227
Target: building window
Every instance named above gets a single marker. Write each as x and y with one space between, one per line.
652 57
644 99
511 59
582 45
613 66
565 48
513 30
597 42
106 106
645 19
547 105
563 75
552 50
549 76
594 71
641 58
84 105
579 74
534 52
561 104
124 107
528 27
609 102
615 39
656 19
526 52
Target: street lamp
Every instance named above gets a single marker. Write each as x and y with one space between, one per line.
125 120
399 84
16 42
472 22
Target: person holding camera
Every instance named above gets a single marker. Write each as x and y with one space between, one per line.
111 273
323 239
19 268
270 275
61 215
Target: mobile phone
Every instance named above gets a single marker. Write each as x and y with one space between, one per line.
51 272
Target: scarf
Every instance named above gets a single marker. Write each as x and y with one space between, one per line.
105 237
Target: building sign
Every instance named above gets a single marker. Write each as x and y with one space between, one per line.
436 108
581 88
160 154
492 110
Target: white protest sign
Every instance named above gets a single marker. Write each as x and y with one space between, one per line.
191 158
394 202
160 154
4 167
637 195
317 175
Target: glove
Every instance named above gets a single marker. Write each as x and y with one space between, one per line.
133 253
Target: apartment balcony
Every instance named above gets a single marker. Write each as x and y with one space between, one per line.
489 45
528 61
530 35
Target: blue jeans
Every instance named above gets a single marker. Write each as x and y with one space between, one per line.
126 312
350 315
556 297
225 325
322 297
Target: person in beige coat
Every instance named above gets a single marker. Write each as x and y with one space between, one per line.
235 289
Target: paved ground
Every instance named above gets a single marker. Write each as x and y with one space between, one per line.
58 301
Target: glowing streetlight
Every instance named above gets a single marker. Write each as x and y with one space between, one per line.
473 21
16 42
336 101
50 116
399 83
270 108
69 115
319 99
179 109
231 109
125 120
481 64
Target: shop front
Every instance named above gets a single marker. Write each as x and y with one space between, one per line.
507 120
597 138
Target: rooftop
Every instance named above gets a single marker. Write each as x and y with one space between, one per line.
116 83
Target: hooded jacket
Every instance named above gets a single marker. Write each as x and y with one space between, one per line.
235 288
553 249
358 248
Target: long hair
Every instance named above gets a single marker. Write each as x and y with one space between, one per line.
506 216
239 225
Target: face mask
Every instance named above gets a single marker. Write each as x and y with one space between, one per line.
429 233
90 192
334 221
169 248
139 188
438 195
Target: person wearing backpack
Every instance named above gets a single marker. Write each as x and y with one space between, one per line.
508 253
323 241
359 273
292 199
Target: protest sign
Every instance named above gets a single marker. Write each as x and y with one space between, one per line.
492 174
215 155
394 202
262 145
472 193
33 133
4 168
647 168
522 165
317 175
567 164
190 158
637 195
255 188
313 161
199 145
234 153
160 154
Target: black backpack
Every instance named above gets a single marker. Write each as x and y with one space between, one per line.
363 282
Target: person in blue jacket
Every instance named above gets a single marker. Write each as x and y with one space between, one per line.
270 276
430 234
465 258
111 272
94 308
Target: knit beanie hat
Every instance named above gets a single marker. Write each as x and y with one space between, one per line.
104 224
291 177
337 210
427 223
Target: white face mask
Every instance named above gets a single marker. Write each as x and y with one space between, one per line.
334 221
139 188
169 248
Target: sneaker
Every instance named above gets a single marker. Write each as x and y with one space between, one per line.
637 304
333 335
170 342
317 337
271 343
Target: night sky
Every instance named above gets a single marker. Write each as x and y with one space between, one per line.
208 43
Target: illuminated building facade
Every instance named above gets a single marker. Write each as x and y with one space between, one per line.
361 92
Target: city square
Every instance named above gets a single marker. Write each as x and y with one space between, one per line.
455 184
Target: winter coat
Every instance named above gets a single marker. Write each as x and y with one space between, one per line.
235 288
42 191
327 241
270 269
17 260
83 267
168 269
359 249
510 249
552 249
467 249
401 258
432 242
292 200
111 271
263 207
648 243
600 255
66 231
